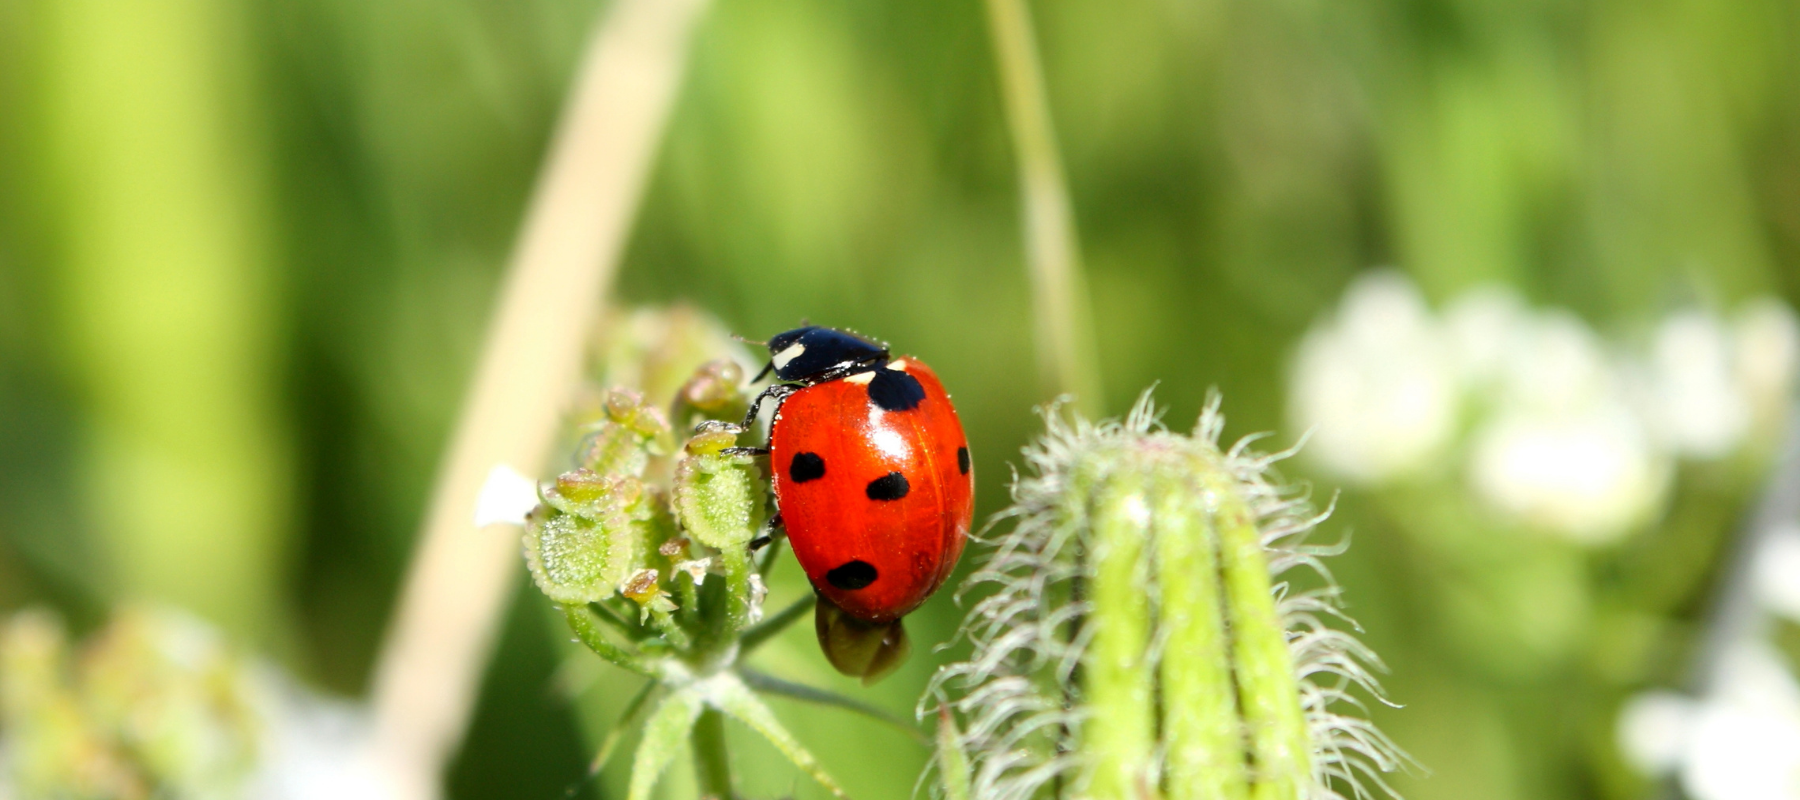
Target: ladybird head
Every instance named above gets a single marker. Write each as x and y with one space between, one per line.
814 353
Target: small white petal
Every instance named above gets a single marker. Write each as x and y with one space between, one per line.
758 592
506 496
696 569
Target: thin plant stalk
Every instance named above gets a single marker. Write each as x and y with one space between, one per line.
712 762
1061 316
568 249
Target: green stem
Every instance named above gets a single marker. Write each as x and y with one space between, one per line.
767 629
607 615
1204 740
738 569
1064 329
589 634
712 762
1280 744
1121 734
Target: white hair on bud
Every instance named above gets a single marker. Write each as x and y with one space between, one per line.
1016 698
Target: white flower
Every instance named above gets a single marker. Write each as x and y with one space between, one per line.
319 748
1698 407
1766 341
1588 475
1556 365
1745 742
1484 326
1653 730
1375 384
1776 573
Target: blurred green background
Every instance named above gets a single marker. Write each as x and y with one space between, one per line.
247 251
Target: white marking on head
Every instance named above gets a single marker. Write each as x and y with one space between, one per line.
898 364
792 352
861 378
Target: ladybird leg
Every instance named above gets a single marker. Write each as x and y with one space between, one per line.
767 534
779 392
745 451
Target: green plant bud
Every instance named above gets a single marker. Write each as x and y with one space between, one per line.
657 350
716 392
1140 643
719 497
592 534
625 436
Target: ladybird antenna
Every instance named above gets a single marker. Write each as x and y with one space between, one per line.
749 341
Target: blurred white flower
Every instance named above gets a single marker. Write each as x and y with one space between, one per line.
1776 573
1766 343
1484 325
1741 742
1653 729
1697 406
1589 475
1745 741
317 748
1555 364
1375 384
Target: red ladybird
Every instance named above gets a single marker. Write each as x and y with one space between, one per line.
873 484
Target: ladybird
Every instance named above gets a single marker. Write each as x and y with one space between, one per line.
873 484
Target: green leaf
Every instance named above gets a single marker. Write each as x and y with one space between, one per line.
727 692
664 735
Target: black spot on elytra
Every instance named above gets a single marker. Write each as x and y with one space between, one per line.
852 575
894 390
891 486
806 467
962 460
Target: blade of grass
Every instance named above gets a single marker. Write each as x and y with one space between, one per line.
1064 327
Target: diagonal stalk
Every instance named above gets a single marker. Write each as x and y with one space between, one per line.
1063 325
568 248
